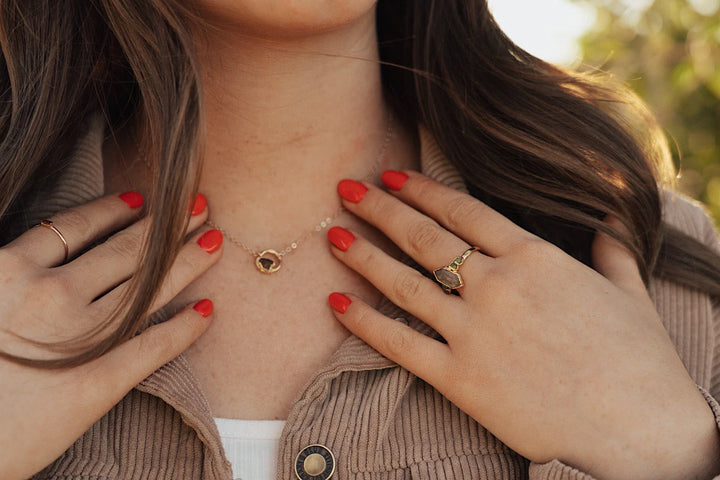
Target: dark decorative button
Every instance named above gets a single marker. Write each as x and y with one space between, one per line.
315 462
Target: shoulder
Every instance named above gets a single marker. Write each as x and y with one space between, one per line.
690 217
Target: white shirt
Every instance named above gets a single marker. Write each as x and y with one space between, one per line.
251 446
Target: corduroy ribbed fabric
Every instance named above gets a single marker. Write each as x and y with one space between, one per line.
380 421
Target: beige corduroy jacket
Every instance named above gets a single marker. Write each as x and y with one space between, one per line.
378 420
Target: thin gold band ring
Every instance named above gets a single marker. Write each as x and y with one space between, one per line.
49 224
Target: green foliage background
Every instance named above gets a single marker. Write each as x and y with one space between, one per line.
669 53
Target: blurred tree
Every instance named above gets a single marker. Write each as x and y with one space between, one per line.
668 51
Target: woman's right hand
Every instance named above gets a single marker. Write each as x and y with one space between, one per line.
44 411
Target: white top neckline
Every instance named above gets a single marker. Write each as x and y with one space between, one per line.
251 446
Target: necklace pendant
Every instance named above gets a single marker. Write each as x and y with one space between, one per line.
268 261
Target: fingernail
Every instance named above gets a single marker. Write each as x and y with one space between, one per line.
211 240
204 307
199 204
133 199
339 302
340 237
393 179
351 190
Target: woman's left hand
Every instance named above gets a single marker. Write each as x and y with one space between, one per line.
557 360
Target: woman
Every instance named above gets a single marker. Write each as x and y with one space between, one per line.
537 365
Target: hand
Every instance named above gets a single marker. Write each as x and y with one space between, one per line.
45 411
555 359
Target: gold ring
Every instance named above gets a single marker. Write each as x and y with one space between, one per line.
49 224
448 276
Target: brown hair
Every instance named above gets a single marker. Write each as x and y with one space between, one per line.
554 151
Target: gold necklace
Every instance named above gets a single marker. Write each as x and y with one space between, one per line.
269 260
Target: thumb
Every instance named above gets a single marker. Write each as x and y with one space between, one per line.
615 262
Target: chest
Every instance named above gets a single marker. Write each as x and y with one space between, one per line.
270 333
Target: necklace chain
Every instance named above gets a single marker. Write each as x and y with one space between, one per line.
269 260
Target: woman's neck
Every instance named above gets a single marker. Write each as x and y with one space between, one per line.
285 121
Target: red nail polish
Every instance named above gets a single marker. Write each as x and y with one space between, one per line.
133 199
199 204
393 179
340 237
351 190
339 302
204 307
211 240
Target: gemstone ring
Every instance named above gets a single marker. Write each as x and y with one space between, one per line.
448 276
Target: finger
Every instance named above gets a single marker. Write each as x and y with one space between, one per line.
460 213
402 285
111 376
114 261
418 235
425 357
615 262
79 226
200 253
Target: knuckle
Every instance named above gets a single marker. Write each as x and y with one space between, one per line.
190 262
423 236
152 343
124 244
423 184
54 285
497 275
76 221
359 318
367 258
459 210
407 286
398 342
533 248
171 286
13 260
